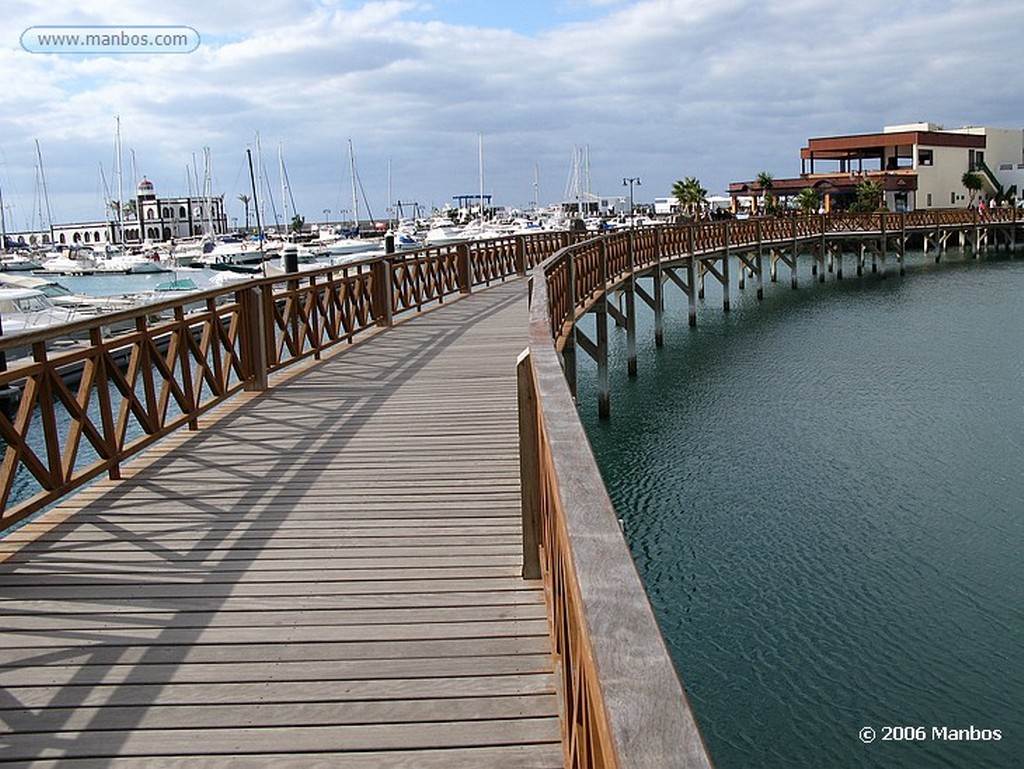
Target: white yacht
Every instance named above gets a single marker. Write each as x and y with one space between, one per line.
26 309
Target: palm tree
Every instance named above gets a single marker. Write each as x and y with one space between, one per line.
767 182
808 200
690 195
973 182
245 202
298 222
869 198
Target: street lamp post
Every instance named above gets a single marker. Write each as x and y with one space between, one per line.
629 181
327 214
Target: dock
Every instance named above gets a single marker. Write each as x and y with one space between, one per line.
327 573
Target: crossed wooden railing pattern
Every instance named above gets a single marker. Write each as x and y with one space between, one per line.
75 413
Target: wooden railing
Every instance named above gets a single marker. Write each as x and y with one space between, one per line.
625 705
73 413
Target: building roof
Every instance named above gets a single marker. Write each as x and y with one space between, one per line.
874 144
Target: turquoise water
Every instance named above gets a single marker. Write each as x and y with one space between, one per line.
823 493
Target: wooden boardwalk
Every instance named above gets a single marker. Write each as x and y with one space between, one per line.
326 574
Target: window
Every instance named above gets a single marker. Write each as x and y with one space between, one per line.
929 199
925 157
952 198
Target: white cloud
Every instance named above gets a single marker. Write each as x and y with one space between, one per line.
657 88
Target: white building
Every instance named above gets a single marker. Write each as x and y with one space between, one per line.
918 165
165 219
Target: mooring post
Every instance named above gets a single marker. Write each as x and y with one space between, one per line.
725 269
759 262
631 310
884 245
691 279
822 255
659 292
792 264
902 248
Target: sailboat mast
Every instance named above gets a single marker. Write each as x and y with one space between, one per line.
120 181
536 186
46 195
355 195
480 138
259 181
391 208
3 224
256 207
284 183
208 191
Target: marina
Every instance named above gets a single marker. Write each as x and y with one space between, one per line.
618 384
232 354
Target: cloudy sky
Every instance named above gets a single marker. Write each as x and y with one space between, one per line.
656 89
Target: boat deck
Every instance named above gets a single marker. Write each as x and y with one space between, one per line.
326 574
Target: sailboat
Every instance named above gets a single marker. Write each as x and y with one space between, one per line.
336 243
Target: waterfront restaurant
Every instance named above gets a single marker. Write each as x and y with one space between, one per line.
918 165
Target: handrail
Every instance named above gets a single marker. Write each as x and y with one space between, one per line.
93 406
72 413
625 705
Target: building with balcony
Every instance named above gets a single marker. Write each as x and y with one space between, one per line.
918 166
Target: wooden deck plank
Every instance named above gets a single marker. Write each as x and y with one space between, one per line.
256 740
101 695
240 716
504 756
326 574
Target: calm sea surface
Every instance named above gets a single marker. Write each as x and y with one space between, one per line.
824 494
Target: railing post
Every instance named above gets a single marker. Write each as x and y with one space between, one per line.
256 341
601 318
382 293
521 266
529 466
464 267
569 349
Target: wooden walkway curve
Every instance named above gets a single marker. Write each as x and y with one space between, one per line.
326 574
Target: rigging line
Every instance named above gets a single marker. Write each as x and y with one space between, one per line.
369 213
